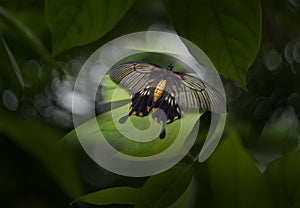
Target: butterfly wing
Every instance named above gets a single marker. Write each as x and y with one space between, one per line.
190 92
135 76
193 93
170 111
141 102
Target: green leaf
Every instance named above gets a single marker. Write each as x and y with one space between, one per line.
40 141
118 134
117 195
281 130
228 31
121 136
9 65
188 198
78 22
279 136
284 181
165 188
230 178
109 93
17 28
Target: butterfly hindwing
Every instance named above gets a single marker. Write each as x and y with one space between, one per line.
141 102
166 110
168 106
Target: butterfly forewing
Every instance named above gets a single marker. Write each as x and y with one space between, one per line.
208 98
193 93
120 71
135 76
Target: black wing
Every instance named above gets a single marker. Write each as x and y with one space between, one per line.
141 104
165 110
170 109
135 76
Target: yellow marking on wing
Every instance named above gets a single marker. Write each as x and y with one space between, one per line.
148 108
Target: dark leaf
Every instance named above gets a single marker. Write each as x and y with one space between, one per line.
77 22
42 143
188 198
228 31
17 28
230 178
117 195
165 188
284 181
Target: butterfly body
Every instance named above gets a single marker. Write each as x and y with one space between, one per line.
164 92
159 90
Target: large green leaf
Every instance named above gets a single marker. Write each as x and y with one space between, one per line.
117 195
122 140
40 141
230 178
284 181
78 22
121 136
228 31
165 188
130 137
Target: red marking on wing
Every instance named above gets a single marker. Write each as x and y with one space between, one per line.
156 69
179 76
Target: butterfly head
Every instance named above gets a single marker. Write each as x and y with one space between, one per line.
170 67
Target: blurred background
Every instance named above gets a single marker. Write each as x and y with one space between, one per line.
37 76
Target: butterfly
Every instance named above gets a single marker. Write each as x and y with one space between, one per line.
164 92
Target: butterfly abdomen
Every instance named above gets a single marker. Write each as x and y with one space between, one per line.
159 90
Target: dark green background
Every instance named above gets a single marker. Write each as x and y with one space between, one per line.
254 45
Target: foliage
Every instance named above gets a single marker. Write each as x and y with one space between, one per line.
232 43
43 46
74 23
